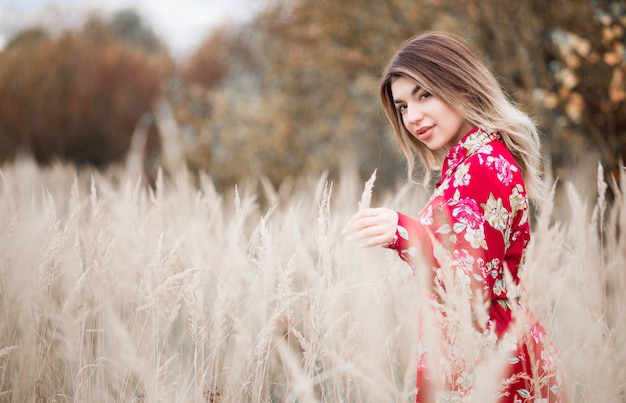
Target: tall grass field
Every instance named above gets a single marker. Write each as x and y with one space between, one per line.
112 291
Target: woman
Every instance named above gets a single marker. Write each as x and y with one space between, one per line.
446 106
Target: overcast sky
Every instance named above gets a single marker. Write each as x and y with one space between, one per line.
181 23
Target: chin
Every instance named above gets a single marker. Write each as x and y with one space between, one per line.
434 147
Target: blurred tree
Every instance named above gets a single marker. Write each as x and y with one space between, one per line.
565 62
207 66
128 26
185 108
301 94
589 70
78 96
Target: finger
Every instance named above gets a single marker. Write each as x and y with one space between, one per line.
369 233
362 219
368 212
380 240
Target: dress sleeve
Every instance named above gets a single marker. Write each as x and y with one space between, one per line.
412 241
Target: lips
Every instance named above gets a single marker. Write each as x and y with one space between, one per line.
423 131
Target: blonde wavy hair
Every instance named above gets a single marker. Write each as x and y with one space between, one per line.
449 69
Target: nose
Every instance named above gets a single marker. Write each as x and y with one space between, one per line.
413 115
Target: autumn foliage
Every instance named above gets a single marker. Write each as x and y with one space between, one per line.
296 90
78 96
208 65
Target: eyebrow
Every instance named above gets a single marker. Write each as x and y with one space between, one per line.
413 92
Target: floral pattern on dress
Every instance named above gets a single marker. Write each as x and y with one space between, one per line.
477 221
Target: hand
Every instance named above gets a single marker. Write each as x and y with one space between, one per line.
372 227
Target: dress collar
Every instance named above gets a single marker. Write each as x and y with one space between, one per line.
469 144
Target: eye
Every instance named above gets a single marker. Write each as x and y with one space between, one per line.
401 108
425 95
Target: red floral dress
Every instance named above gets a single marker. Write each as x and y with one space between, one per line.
476 225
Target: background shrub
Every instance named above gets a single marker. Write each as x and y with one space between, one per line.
78 96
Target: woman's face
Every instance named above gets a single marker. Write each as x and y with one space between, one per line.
427 118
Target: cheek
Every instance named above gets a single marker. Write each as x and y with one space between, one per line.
402 120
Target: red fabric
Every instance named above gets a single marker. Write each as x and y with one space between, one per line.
477 220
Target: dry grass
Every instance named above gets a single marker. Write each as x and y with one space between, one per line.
111 292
